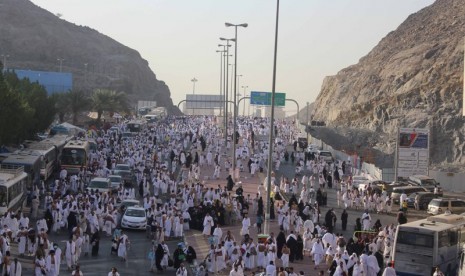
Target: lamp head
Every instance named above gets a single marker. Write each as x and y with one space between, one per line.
245 25
228 24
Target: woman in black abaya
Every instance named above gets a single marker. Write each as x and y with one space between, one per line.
159 253
280 241
95 241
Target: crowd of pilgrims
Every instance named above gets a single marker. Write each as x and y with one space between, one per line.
368 252
174 205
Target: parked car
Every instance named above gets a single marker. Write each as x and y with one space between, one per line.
408 190
134 218
440 205
425 181
424 200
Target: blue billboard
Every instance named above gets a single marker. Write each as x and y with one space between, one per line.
54 82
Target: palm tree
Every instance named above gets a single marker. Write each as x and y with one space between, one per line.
108 100
77 102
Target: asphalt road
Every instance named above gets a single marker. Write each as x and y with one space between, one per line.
137 263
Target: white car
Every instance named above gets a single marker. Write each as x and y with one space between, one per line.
358 179
116 181
101 184
134 218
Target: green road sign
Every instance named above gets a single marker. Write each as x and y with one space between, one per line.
264 98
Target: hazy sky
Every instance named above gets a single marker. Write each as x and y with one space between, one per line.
179 38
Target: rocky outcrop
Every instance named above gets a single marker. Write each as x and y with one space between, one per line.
412 78
34 38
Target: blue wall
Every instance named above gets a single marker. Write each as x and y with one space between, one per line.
54 82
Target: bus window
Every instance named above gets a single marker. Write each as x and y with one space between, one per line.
3 196
447 238
415 239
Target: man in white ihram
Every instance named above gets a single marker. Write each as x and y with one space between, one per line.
245 225
366 221
218 234
207 225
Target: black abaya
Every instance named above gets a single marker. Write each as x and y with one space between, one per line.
280 241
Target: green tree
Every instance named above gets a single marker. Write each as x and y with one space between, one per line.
77 102
60 101
36 99
15 114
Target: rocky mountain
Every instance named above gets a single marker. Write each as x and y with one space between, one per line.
35 39
412 78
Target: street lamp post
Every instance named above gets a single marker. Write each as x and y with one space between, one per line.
4 58
61 63
221 78
306 129
226 90
235 88
243 108
194 80
270 146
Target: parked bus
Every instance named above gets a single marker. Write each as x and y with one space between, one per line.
50 149
13 189
422 245
30 160
75 156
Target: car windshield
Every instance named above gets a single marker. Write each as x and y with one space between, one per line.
98 184
115 178
135 213
122 167
325 153
429 182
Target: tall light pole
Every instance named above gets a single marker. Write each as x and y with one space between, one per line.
226 80
225 99
306 129
194 80
243 108
61 63
270 146
4 58
235 87
237 91
221 78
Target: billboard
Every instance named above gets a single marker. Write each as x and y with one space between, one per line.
264 98
199 101
412 156
54 82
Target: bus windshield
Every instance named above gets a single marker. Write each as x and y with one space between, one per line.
415 239
75 157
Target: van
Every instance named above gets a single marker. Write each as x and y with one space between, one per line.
440 205
408 190
326 155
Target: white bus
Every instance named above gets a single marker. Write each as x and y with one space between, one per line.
12 188
422 245
75 156
50 149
